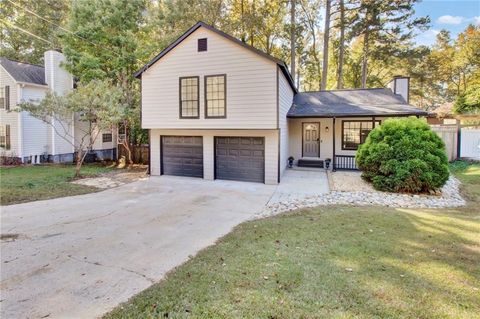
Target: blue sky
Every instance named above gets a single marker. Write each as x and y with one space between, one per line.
447 14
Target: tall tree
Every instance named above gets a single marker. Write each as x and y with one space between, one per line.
292 35
341 45
326 41
106 46
29 28
383 25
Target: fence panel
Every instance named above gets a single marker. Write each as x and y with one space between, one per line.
470 143
139 153
448 133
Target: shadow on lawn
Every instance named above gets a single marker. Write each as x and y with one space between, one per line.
329 262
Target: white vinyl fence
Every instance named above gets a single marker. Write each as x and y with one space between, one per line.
470 143
448 134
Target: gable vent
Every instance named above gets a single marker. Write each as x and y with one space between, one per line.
202 45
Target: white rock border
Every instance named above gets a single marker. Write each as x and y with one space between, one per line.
450 197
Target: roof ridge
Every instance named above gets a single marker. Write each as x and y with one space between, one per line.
340 90
17 61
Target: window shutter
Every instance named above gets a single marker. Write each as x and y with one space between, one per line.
202 45
7 137
7 98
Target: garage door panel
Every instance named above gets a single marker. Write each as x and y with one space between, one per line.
240 158
182 156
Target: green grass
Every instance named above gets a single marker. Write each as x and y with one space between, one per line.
336 262
29 183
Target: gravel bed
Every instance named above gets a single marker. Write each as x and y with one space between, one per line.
449 197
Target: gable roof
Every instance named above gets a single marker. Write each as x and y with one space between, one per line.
280 63
24 72
354 102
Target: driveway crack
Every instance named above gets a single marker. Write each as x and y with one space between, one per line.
96 263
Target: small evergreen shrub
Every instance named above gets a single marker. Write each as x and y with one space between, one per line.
403 155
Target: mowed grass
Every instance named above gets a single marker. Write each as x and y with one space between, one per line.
336 262
29 183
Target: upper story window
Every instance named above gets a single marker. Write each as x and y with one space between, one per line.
5 97
2 98
355 133
215 96
202 45
189 101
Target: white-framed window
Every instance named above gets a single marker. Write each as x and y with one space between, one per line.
5 137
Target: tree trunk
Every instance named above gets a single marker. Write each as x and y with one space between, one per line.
341 51
78 165
292 37
326 39
365 57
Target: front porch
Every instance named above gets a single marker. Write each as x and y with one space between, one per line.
329 143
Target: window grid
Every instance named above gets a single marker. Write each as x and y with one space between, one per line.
2 97
215 96
3 136
107 137
189 87
355 133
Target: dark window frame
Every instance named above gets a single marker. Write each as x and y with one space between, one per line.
110 140
224 96
199 45
375 123
2 97
180 97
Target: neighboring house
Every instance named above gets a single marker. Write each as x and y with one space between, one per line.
218 108
29 139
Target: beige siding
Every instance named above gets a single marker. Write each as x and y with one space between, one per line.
251 85
271 149
296 132
326 138
11 117
285 99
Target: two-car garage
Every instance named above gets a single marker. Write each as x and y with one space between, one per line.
240 158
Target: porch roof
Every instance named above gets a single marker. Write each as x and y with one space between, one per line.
351 103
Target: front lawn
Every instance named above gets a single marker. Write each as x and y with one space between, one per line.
29 183
334 262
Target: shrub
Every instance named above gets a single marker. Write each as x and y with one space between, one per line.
403 155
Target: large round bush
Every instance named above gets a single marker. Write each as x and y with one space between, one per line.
403 155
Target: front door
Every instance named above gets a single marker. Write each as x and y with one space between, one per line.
311 139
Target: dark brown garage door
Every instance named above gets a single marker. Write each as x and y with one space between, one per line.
240 158
182 155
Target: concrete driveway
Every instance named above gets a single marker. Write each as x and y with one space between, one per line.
78 257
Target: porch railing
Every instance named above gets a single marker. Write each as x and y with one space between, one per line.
345 162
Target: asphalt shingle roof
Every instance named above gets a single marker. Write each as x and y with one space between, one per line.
24 72
355 102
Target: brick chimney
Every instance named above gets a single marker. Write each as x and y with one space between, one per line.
400 85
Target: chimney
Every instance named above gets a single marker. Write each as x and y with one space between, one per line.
400 85
57 78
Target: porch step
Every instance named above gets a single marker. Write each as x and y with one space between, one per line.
310 163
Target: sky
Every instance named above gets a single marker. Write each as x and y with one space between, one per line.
452 15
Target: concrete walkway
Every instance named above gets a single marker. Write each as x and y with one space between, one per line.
299 183
78 257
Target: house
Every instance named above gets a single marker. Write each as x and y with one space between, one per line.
218 108
28 139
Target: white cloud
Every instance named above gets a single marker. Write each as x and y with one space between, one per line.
448 19
427 38
476 20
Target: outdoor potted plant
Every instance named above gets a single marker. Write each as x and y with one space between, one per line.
290 161
327 162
